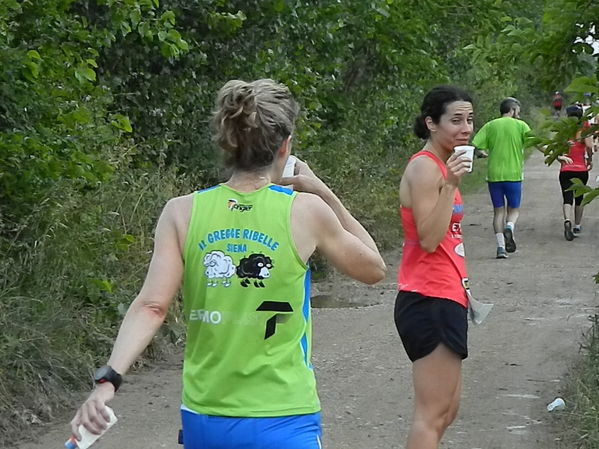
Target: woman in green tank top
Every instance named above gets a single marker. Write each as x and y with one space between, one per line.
240 249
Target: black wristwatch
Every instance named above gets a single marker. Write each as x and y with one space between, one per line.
107 374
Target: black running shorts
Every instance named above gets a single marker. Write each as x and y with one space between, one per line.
423 322
565 181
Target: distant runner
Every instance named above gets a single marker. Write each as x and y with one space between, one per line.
556 104
575 165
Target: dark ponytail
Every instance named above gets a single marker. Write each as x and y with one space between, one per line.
420 128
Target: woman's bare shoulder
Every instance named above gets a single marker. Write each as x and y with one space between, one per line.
422 168
182 201
179 204
178 210
309 203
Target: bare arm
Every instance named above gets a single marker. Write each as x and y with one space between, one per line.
144 316
316 226
322 221
347 220
431 197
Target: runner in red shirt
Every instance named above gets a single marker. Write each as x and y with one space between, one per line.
575 165
431 305
557 104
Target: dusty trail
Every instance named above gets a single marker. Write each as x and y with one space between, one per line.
518 360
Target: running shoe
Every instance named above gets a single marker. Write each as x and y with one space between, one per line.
576 230
510 244
501 254
568 234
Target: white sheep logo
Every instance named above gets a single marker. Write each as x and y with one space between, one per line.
218 266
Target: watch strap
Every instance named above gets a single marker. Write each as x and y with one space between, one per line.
107 374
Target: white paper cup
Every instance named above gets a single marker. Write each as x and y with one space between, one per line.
557 404
468 155
289 167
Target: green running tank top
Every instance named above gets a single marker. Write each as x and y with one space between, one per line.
246 299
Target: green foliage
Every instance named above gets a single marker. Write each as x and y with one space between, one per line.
62 146
55 120
566 28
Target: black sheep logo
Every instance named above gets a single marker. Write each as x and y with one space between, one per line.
256 267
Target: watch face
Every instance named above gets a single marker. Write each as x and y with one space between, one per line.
102 372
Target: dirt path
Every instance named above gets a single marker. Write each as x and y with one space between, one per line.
518 359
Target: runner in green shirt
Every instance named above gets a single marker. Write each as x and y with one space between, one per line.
241 249
504 139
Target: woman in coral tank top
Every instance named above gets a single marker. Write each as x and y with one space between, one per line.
575 165
431 305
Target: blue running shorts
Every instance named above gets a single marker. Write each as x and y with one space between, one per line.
223 432
510 190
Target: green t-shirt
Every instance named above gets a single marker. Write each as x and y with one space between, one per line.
246 299
504 138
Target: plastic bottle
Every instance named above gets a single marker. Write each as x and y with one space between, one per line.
88 438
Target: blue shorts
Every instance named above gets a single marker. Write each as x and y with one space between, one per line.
223 432
510 190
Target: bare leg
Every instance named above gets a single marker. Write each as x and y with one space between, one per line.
578 215
512 215
437 385
567 211
498 219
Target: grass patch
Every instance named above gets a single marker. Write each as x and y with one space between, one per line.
65 285
581 427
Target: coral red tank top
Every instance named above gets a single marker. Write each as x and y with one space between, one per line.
577 153
442 273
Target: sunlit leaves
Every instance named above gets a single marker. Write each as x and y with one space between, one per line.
79 116
583 85
31 65
226 23
84 73
121 122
